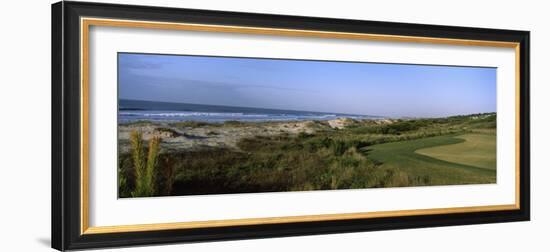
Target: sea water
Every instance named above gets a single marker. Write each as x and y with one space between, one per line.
135 110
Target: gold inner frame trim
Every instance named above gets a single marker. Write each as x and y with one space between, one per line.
289 219
85 24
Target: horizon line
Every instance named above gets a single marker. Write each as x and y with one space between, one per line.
337 113
232 106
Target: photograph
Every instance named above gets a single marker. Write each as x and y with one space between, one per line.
196 125
175 123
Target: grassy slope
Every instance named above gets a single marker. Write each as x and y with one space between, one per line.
363 155
478 150
401 156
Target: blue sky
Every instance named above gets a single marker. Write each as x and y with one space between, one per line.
395 90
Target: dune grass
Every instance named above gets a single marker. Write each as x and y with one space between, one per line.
144 166
416 152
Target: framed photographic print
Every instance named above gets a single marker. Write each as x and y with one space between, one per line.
180 125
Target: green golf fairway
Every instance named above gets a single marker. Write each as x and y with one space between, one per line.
403 156
478 150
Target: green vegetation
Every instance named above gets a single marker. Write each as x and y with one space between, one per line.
143 176
364 154
425 170
145 168
476 150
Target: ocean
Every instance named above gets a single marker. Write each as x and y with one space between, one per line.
135 110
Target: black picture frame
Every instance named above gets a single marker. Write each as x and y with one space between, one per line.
66 114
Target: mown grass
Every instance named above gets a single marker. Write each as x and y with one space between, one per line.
363 155
425 170
477 150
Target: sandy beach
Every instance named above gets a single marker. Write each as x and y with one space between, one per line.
189 136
